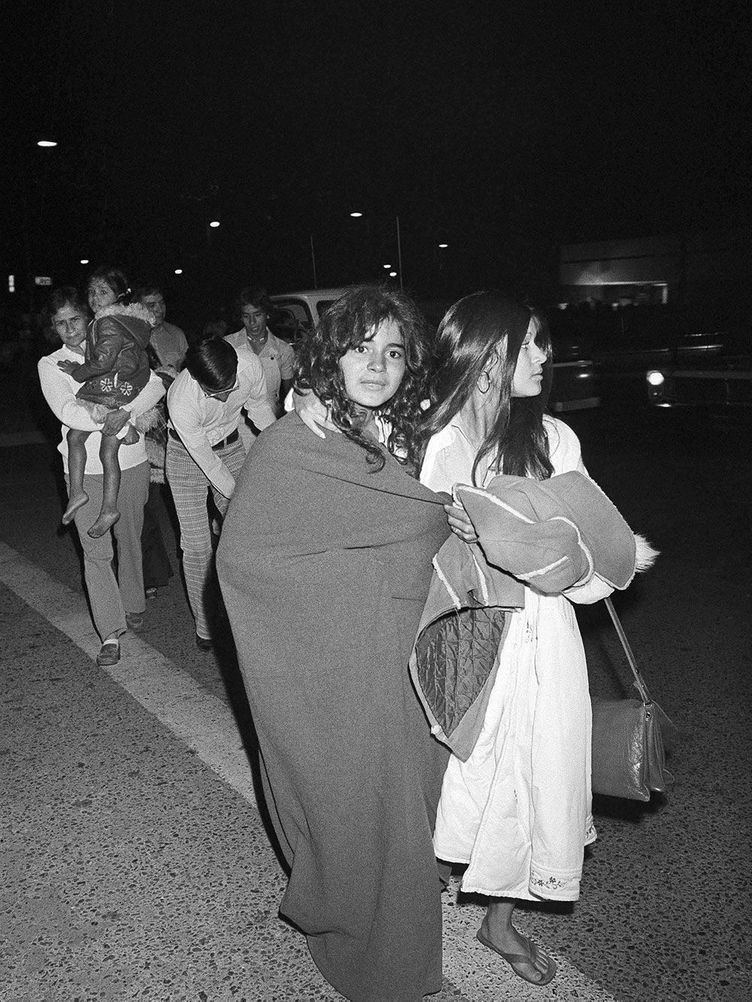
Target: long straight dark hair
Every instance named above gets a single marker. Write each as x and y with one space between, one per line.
473 331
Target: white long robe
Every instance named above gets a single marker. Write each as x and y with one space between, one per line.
518 812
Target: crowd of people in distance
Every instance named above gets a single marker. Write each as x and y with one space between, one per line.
359 530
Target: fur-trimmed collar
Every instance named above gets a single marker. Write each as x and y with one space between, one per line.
136 310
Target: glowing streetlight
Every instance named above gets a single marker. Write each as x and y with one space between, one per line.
387 266
178 271
46 142
356 215
214 224
443 245
84 260
392 274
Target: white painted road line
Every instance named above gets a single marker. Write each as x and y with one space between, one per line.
195 716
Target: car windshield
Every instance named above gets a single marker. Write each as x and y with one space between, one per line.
297 308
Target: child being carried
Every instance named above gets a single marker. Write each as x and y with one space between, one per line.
115 370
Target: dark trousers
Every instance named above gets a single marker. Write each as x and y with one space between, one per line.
157 569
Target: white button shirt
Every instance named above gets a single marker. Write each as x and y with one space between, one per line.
202 421
277 357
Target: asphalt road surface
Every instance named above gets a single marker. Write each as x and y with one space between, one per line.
136 860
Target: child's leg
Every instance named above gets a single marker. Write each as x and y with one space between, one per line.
77 496
109 514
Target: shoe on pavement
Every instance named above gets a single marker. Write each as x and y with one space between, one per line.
151 592
204 644
109 653
134 620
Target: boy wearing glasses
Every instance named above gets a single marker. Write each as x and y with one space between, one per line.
205 454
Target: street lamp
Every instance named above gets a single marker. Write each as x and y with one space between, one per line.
214 224
46 142
356 215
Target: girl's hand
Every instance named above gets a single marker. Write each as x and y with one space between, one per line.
67 366
313 413
460 524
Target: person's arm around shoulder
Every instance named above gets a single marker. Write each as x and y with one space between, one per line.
312 411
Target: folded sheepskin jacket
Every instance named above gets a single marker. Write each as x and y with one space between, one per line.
549 535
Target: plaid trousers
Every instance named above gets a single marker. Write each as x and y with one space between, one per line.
190 492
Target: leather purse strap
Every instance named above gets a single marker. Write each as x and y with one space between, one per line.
639 682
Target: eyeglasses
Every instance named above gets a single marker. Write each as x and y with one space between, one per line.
220 393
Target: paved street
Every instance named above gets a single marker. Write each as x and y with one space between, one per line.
136 859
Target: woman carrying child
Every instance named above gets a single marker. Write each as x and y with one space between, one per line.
114 371
116 602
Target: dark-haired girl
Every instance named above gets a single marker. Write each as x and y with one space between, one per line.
517 812
325 563
114 371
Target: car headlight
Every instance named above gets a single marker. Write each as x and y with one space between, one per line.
655 378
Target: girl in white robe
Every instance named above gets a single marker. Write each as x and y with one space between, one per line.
518 811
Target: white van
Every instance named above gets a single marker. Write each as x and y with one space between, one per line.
300 310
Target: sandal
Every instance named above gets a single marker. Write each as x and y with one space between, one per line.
522 958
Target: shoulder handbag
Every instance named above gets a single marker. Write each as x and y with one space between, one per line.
630 737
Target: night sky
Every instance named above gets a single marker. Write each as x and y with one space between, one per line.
503 129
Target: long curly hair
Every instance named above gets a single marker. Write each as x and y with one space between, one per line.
473 331
348 322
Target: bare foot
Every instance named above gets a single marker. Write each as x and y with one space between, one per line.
104 523
75 502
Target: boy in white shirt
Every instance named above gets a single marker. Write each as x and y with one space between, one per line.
205 453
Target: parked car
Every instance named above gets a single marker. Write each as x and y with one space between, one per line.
575 380
663 356
705 370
